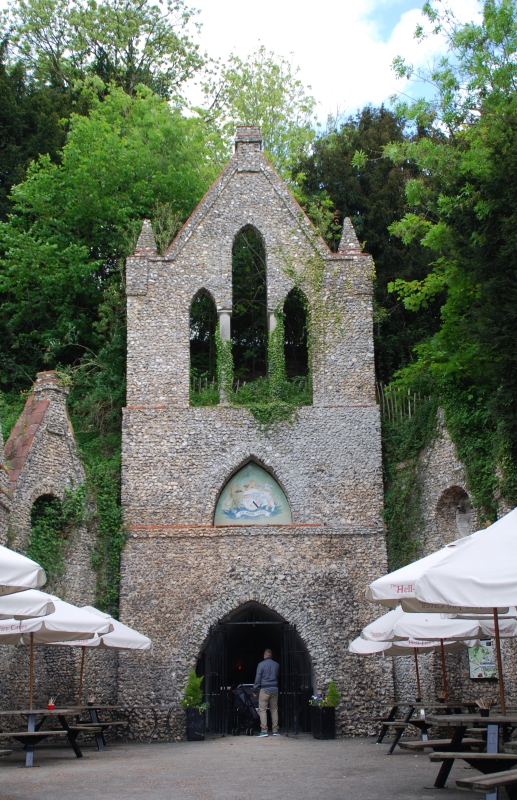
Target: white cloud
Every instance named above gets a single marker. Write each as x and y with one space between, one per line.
337 45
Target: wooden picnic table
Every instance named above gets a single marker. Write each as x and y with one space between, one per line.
35 733
491 761
99 725
390 721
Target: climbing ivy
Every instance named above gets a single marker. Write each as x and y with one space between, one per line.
53 524
276 356
480 447
101 456
224 366
403 441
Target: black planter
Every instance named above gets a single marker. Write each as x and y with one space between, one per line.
323 722
195 725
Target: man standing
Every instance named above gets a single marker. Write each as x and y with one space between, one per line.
266 680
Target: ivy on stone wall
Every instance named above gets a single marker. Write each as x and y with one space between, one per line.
101 457
53 524
480 447
224 366
276 356
403 440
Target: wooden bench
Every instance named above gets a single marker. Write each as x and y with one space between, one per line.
5 753
93 728
489 783
30 734
119 722
481 757
436 744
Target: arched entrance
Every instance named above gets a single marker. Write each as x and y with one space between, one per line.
234 647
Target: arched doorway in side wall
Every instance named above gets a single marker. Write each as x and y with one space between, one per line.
234 647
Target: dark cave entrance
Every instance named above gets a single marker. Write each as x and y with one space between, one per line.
235 646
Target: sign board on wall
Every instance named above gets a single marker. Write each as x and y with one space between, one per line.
482 660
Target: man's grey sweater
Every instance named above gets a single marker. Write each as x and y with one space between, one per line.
267 676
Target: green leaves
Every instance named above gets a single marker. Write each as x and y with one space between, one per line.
73 221
263 90
125 42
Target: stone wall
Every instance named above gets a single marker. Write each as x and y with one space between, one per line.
42 459
5 497
446 509
180 572
176 583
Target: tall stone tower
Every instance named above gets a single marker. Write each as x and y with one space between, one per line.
240 535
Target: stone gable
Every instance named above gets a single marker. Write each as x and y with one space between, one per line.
181 574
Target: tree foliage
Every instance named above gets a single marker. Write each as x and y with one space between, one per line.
263 90
30 124
126 42
373 197
73 221
465 218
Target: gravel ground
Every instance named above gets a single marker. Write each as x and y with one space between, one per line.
229 768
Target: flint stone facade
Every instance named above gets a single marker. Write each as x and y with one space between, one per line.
180 573
41 458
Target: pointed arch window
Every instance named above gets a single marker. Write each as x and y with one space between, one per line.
249 318
252 497
296 346
203 364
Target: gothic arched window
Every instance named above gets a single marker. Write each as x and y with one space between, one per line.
203 361
296 334
249 317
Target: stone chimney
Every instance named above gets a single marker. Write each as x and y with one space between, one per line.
48 387
146 242
349 244
249 136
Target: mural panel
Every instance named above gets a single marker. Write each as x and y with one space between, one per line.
252 497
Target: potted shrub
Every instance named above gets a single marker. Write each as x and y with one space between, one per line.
195 708
323 713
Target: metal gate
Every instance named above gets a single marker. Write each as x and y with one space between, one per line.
294 682
289 684
216 686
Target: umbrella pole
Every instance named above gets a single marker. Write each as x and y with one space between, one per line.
418 689
445 690
81 677
499 662
31 672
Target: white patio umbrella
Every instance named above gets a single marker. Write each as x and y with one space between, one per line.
67 622
409 647
398 587
481 573
25 605
122 637
18 573
436 629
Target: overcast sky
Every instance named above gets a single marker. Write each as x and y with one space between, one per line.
344 48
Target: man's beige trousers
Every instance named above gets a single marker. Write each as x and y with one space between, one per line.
270 698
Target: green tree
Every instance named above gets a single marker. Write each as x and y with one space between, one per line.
127 42
465 217
30 124
72 222
263 90
373 197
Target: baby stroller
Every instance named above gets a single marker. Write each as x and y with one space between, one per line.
245 713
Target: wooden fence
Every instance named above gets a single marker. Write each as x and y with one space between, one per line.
398 404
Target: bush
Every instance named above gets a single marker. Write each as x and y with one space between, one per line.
193 695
